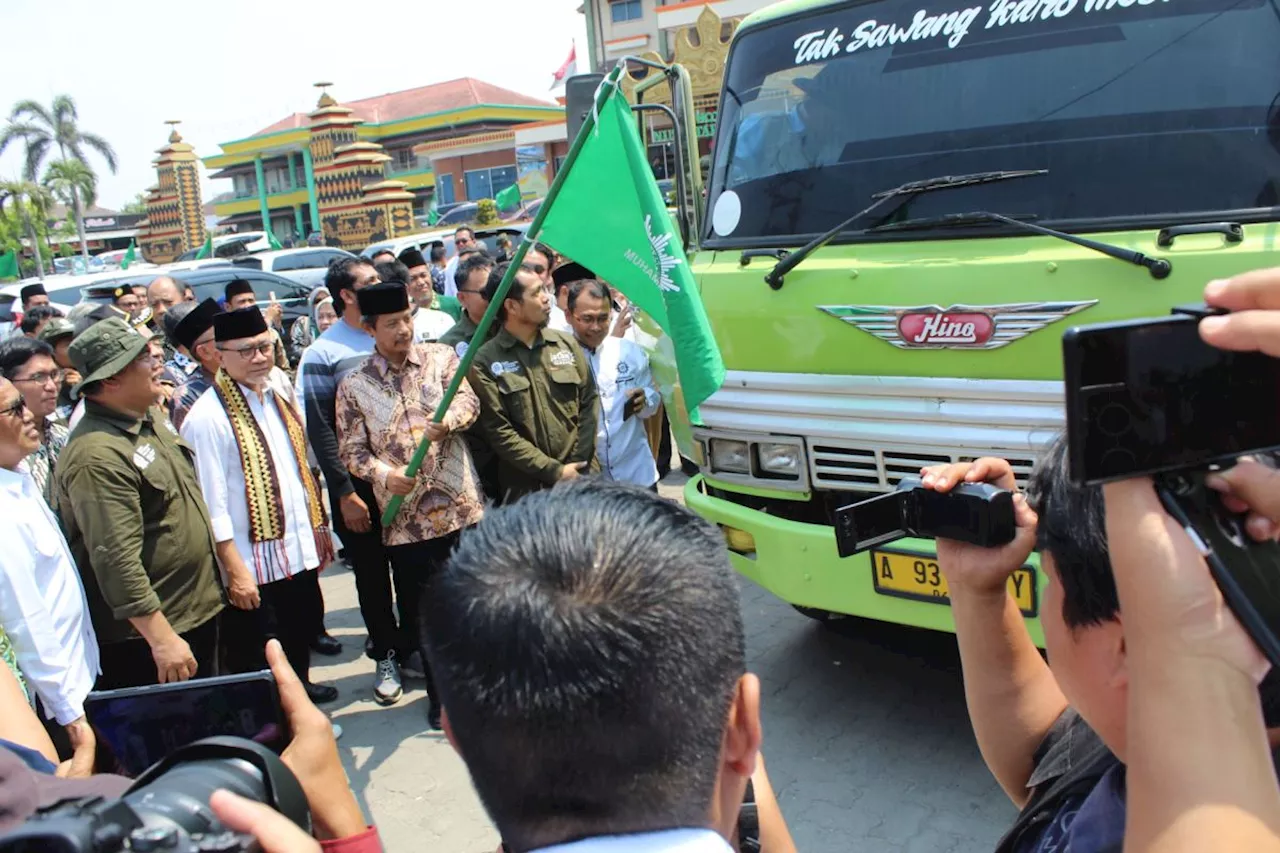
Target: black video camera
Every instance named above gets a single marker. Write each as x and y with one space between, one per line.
1148 397
977 513
167 809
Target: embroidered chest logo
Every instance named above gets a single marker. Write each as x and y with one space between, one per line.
168 424
561 358
461 348
624 369
500 367
143 455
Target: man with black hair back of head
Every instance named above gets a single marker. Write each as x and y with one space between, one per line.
538 401
357 516
134 518
385 408
270 528
193 335
438 264
33 295
29 364
587 643
382 256
35 319
1054 735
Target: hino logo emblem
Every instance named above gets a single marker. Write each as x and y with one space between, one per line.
957 327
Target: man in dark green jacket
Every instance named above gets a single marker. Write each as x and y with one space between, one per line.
538 403
135 519
472 279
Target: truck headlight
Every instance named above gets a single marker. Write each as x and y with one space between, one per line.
781 460
729 455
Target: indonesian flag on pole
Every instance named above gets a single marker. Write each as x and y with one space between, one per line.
569 69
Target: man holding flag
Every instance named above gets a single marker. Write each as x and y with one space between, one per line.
538 404
629 242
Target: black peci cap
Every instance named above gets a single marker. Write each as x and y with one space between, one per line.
569 273
234 325
236 287
412 258
390 297
196 323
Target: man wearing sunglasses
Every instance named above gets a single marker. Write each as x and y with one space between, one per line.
135 520
463 239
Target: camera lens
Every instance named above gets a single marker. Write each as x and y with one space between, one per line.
1115 419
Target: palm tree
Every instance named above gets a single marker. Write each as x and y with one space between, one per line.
73 183
31 203
41 129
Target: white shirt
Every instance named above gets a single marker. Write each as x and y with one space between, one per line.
77 414
43 607
450 269
558 320
429 324
222 482
667 841
622 446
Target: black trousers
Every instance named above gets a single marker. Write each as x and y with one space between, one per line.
129 664
418 563
367 557
284 614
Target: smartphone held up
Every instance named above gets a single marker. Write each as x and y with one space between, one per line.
1149 397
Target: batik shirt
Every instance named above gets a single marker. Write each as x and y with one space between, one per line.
382 415
44 460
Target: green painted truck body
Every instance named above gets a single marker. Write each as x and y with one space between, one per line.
892 348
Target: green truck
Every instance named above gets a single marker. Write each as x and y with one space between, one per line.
1028 165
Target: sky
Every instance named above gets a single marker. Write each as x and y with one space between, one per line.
228 68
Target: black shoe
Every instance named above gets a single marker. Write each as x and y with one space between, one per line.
433 715
325 645
321 693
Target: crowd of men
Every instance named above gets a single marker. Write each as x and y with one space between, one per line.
582 645
192 484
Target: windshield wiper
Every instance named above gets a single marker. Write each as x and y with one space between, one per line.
887 203
1158 267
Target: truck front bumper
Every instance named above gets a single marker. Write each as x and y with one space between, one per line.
798 563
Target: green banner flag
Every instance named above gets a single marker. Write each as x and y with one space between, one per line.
206 251
433 212
508 199
272 242
130 256
9 265
609 216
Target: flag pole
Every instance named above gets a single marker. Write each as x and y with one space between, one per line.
606 89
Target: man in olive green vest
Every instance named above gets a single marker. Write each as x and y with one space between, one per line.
538 403
135 519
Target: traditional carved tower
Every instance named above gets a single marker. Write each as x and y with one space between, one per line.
175 215
357 204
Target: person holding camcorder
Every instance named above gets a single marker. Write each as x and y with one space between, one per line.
1147 665
307 783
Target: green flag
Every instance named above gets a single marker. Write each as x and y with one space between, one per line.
206 251
9 265
272 242
433 212
508 199
630 241
130 256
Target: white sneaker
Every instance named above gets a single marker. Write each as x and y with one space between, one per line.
387 688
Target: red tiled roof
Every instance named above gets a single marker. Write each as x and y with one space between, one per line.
438 97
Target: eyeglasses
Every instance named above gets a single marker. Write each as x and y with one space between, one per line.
538 269
264 348
592 319
54 376
17 410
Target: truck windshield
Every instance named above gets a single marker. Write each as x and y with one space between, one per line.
1143 111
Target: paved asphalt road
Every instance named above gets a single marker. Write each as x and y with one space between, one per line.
866 737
